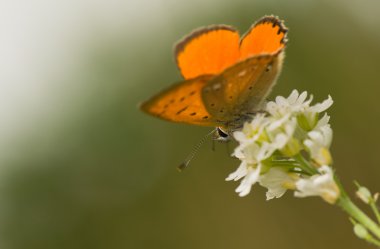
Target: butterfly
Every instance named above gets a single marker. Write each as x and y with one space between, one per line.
226 78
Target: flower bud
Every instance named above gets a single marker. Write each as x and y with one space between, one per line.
364 194
360 231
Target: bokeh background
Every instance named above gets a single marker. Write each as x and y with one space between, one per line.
82 167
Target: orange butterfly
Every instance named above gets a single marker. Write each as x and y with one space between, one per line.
226 77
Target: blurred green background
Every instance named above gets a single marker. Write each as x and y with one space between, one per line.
82 167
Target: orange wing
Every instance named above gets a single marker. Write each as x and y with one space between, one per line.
266 36
207 51
181 102
242 88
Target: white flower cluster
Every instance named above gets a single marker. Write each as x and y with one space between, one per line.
272 145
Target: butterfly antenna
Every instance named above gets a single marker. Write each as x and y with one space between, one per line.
213 145
195 150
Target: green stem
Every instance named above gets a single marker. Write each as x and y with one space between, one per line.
305 165
372 240
289 165
375 210
349 207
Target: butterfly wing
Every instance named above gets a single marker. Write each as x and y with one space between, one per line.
181 102
207 51
242 88
266 36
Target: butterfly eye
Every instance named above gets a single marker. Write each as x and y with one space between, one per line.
221 135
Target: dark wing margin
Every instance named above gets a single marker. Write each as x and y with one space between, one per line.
267 36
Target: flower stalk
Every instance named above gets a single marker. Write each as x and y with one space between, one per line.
375 210
356 213
305 165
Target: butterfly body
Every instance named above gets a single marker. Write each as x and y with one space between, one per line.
226 79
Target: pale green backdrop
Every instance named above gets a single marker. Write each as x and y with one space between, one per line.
92 171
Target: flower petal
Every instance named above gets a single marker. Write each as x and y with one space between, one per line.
322 185
251 178
321 107
275 181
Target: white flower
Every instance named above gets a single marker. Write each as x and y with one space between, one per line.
239 173
297 105
318 144
251 176
258 140
277 181
322 122
308 119
322 185
321 107
294 103
251 131
251 156
282 137
289 125
253 153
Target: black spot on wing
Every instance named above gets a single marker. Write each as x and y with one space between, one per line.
182 110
